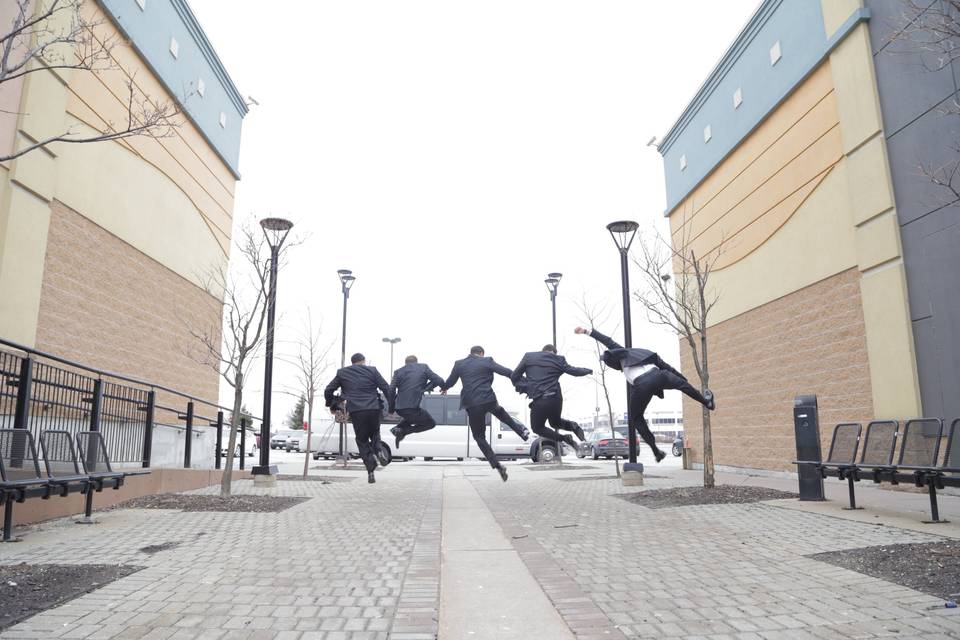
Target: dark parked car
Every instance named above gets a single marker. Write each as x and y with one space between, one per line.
678 447
600 443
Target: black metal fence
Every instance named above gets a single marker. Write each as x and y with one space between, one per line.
42 392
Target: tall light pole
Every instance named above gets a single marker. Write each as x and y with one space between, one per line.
623 232
553 283
276 231
346 282
392 342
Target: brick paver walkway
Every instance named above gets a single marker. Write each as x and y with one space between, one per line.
359 561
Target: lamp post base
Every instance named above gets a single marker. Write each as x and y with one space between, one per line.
632 475
264 476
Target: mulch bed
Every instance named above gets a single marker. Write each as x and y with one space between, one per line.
556 467
932 567
26 590
231 504
322 479
693 496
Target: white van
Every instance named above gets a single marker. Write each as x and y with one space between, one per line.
449 439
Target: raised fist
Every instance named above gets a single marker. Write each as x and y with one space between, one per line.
580 330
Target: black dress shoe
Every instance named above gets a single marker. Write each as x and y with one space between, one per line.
382 457
503 473
398 434
521 431
570 441
577 429
370 478
659 455
711 401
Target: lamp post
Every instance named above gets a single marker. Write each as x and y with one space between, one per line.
623 232
346 282
553 283
276 231
392 342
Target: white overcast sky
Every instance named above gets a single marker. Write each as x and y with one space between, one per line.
452 154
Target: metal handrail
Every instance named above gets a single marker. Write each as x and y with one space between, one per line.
109 374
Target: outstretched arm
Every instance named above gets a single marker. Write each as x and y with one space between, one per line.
385 388
393 394
502 370
330 390
518 372
433 380
575 371
451 379
606 341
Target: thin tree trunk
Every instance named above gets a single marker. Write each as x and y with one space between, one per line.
227 479
708 480
306 459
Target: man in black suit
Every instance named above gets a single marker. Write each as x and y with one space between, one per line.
538 375
477 397
647 376
408 385
359 384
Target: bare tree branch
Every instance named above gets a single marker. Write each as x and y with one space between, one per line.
58 35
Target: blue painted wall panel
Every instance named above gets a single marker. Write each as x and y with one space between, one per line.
150 31
798 25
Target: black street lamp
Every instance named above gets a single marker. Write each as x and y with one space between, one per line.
392 342
346 281
623 233
553 283
276 231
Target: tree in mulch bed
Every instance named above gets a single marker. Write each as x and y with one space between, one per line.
694 496
231 504
931 567
26 590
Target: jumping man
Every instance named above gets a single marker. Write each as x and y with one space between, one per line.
407 387
647 376
359 384
542 385
478 399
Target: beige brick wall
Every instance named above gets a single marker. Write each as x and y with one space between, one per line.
105 304
809 342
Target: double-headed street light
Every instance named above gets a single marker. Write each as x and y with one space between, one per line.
392 342
346 282
623 232
276 230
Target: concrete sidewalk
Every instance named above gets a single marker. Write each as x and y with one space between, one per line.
449 551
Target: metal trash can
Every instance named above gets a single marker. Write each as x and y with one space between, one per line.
806 426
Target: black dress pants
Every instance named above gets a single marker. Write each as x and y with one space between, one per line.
366 428
415 420
477 417
648 385
548 409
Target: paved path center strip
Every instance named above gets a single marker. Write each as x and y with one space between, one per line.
486 589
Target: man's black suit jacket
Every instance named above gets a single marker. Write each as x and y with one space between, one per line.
476 372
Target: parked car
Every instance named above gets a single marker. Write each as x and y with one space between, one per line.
601 444
278 439
251 442
678 447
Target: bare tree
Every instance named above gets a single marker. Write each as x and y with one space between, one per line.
675 293
311 363
594 315
231 350
57 35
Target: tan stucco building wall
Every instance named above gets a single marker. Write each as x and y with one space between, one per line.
105 247
810 280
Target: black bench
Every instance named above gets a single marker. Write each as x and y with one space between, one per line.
66 469
918 461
